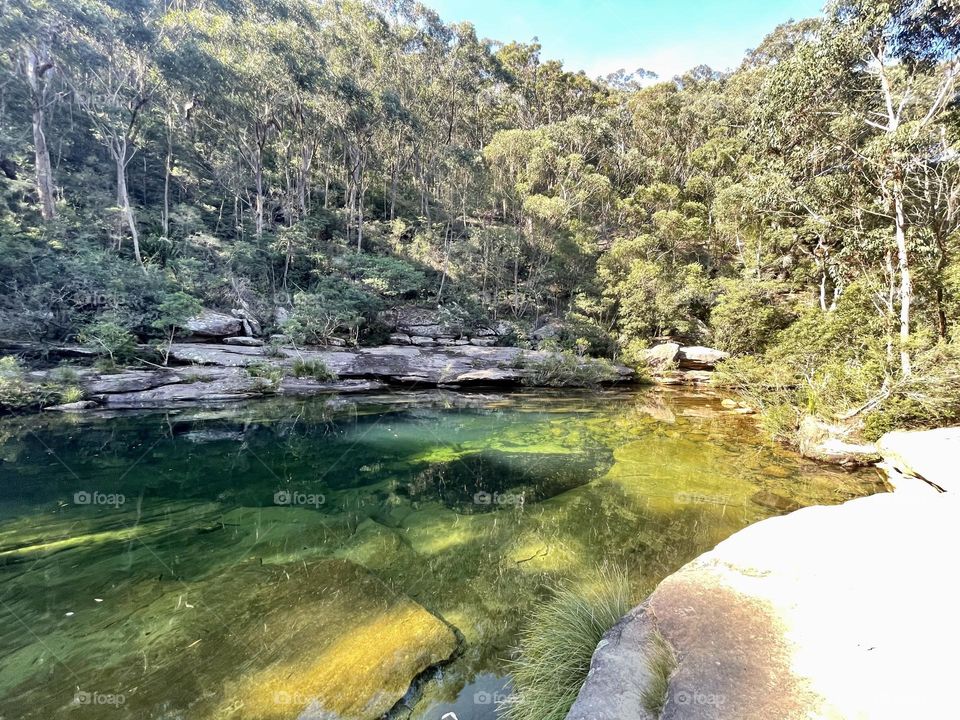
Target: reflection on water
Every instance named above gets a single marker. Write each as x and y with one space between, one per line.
261 560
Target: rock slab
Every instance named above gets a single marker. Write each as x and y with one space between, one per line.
828 612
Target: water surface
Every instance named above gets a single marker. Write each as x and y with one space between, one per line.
165 563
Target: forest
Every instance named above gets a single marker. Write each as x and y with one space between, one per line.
317 162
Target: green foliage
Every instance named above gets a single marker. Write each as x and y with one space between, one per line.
111 340
567 369
557 644
315 368
333 307
17 392
747 316
270 375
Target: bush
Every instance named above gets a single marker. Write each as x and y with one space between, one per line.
111 340
317 369
748 316
556 647
567 369
18 393
335 306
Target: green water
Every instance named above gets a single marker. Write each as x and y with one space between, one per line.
166 563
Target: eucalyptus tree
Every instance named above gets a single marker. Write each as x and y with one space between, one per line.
874 87
32 27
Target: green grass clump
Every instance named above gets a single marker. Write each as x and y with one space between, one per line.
661 662
567 369
556 646
316 369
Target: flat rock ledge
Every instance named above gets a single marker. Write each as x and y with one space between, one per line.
214 372
828 612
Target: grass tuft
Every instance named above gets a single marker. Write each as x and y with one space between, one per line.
661 663
557 644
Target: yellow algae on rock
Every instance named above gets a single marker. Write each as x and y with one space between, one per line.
353 661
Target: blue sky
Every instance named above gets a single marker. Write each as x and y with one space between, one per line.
601 36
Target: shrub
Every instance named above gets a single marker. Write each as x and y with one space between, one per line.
270 375
747 316
317 369
111 340
335 306
566 369
557 645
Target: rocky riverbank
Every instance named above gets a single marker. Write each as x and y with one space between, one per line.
825 612
219 372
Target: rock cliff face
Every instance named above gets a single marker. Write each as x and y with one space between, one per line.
828 612
215 372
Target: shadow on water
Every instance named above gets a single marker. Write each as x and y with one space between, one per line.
201 563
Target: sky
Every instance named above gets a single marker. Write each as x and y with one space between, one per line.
602 36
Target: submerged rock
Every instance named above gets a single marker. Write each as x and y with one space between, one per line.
309 639
494 479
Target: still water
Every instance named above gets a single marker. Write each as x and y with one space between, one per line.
249 561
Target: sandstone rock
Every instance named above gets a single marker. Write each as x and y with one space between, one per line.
74 406
242 340
490 375
548 331
620 671
728 403
931 455
210 323
422 341
663 354
822 613
834 443
697 357
399 339
129 381
482 342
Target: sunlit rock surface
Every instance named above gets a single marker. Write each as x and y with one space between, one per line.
829 612
931 455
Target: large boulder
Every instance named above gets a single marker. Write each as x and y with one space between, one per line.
662 355
828 612
834 443
930 455
210 323
698 357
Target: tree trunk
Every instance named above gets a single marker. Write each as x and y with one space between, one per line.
126 209
906 284
35 70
